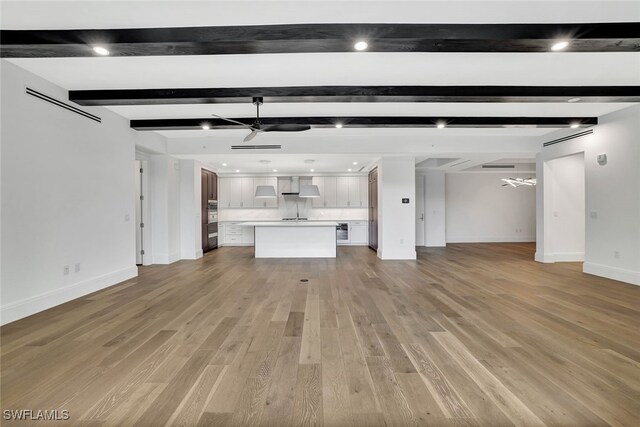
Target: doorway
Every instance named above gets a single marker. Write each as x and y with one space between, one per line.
565 212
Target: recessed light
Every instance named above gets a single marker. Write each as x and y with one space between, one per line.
572 100
339 125
224 164
237 170
275 170
361 45
560 45
575 125
312 170
441 125
100 50
205 127
349 170
355 163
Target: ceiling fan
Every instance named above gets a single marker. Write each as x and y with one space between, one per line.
257 126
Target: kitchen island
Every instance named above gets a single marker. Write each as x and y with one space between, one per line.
294 239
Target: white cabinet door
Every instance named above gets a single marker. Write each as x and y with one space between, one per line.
342 191
235 192
354 192
364 191
259 202
318 202
247 192
225 193
247 235
359 232
330 189
272 202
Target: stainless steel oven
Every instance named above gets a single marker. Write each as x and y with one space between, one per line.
212 211
212 223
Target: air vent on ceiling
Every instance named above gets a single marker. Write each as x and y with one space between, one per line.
567 138
256 147
361 169
58 103
498 166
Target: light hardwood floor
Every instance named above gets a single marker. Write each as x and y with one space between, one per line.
468 335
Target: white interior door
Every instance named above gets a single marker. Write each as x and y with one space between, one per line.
420 229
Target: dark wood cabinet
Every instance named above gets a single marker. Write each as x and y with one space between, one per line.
209 191
373 209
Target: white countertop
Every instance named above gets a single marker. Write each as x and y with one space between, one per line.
290 224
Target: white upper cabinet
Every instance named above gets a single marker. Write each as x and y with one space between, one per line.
364 191
330 192
224 192
271 202
335 192
240 192
318 202
354 192
342 191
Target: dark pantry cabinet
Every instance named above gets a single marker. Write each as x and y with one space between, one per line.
209 192
373 209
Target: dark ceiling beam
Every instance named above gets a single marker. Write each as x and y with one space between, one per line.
309 38
368 122
356 94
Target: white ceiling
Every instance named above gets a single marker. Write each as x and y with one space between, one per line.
361 68
52 14
357 68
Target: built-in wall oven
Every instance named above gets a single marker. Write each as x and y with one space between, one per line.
342 232
212 223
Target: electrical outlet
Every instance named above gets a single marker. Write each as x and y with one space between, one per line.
127 217
593 215
77 267
65 270
616 255
402 241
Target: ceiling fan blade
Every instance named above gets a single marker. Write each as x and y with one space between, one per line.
285 128
250 136
233 121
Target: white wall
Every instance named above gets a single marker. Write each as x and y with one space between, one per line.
435 209
479 209
566 210
190 209
612 195
396 220
420 205
67 189
164 173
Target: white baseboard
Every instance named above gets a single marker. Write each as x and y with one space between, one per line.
191 254
491 239
407 256
614 273
35 304
560 257
236 244
166 258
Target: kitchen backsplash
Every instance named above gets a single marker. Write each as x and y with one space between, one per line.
350 214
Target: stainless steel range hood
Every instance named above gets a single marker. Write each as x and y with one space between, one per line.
293 188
